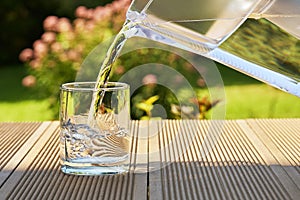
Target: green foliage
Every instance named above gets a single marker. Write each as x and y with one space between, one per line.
245 98
141 106
147 106
56 58
58 55
21 22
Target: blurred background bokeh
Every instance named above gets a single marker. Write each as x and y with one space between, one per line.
43 43
21 22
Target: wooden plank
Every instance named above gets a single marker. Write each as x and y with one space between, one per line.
265 187
27 144
118 183
155 167
271 156
188 165
185 184
128 182
36 176
206 171
201 192
10 140
164 153
287 139
45 167
231 161
220 178
46 131
140 182
174 175
171 159
176 160
108 187
57 180
13 136
286 142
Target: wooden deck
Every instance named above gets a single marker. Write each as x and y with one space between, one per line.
191 159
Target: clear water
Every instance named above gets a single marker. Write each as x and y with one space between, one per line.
104 73
88 151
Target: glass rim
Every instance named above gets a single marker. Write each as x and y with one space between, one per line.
83 86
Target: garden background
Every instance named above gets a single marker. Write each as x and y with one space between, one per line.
29 88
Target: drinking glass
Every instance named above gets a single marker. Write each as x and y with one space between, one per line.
94 143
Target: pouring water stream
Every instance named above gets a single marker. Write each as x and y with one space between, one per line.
142 25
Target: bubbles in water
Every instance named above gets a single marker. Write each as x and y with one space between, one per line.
85 144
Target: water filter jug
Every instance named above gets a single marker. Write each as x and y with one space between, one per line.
257 37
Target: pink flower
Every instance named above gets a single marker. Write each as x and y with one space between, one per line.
29 81
35 64
39 48
73 55
81 12
26 55
150 79
49 37
126 2
56 47
63 25
79 24
117 6
102 12
98 13
90 25
50 23
90 13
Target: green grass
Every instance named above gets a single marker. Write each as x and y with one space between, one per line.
260 101
245 98
27 110
249 98
18 103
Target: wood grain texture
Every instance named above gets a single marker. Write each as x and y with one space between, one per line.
170 159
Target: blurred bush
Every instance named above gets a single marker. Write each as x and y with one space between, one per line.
56 57
20 22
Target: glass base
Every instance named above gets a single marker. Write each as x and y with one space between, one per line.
94 170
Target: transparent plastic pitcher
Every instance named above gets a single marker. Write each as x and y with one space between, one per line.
256 37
